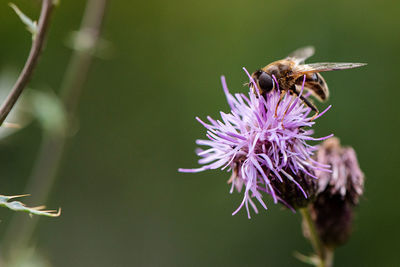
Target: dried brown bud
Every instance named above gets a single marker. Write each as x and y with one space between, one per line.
338 192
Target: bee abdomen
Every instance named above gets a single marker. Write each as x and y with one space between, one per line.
316 84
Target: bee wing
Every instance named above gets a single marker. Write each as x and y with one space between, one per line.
314 82
327 66
301 54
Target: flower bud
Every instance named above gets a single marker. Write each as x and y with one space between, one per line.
337 194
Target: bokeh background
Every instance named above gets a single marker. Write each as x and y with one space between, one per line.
123 201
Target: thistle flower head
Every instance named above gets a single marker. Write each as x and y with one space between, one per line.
338 193
264 145
346 178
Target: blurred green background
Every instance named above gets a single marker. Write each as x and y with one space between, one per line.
123 201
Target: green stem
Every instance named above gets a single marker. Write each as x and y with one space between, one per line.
329 253
324 254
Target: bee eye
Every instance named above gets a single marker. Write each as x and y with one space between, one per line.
266 82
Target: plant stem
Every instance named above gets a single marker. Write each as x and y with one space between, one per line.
324 254
329 253
53 145
31 62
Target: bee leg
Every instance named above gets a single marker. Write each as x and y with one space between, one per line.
312 106
280 100
315 115
308 103
290 104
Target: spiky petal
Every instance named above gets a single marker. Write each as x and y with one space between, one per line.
263 150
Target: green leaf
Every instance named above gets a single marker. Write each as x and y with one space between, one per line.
312 260
49 111
30 24
84 41
19 206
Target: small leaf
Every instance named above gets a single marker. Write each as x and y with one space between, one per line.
30 25
81 41
19 206
84 41
49 110
312 260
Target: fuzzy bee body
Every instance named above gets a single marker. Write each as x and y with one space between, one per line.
289 74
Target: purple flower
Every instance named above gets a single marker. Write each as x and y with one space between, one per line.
346 178
263 145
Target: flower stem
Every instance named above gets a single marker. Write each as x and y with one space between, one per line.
329 253
324 254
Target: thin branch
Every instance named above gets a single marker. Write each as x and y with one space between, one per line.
31 62
52 147
86 42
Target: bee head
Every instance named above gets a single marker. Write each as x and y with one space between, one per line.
264 81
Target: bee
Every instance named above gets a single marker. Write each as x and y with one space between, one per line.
289 74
